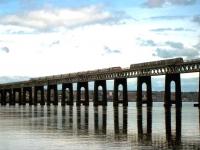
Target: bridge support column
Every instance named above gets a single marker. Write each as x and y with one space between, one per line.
16 90
168 79
123 82
55 99
198 104
101 83
70 87
41 89
3 98
29 90
78 100
1 93
140 81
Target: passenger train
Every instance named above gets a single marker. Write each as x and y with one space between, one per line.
144 65
159 63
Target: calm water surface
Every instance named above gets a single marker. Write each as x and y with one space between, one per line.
85 128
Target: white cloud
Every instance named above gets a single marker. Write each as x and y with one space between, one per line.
5 49
47 53
55 19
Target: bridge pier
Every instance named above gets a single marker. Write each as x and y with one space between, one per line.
101 83
198 104
70 87
29 90
41 89
141 133
55 94
16 90
168 79
1 96
123 82
147 81
78 100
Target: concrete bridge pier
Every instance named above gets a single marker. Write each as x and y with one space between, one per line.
199 92
1 96
198 104
70 100
101 83
167 98
55 94
78 99
147 81
17 90
141 133
41 89
29 90
123 82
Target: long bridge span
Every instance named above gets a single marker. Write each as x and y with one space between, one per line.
171 68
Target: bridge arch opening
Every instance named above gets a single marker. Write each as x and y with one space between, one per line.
83 93
52 95
7 96
27 96
17 97
172 89
67 94
100 93
144 91
39 94
120 92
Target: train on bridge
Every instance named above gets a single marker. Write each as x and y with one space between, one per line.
145 65
171 68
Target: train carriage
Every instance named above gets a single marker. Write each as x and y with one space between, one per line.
159 63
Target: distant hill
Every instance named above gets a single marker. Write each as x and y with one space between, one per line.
8 79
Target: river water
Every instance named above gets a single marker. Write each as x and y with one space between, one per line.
89 128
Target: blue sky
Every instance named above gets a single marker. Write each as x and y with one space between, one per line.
49 37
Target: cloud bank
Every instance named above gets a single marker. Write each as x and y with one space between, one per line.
53 19
171 49
162 3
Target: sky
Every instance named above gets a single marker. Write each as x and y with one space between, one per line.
46 37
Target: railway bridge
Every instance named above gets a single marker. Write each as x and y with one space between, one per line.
27 91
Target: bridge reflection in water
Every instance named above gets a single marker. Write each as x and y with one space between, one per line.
107 123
